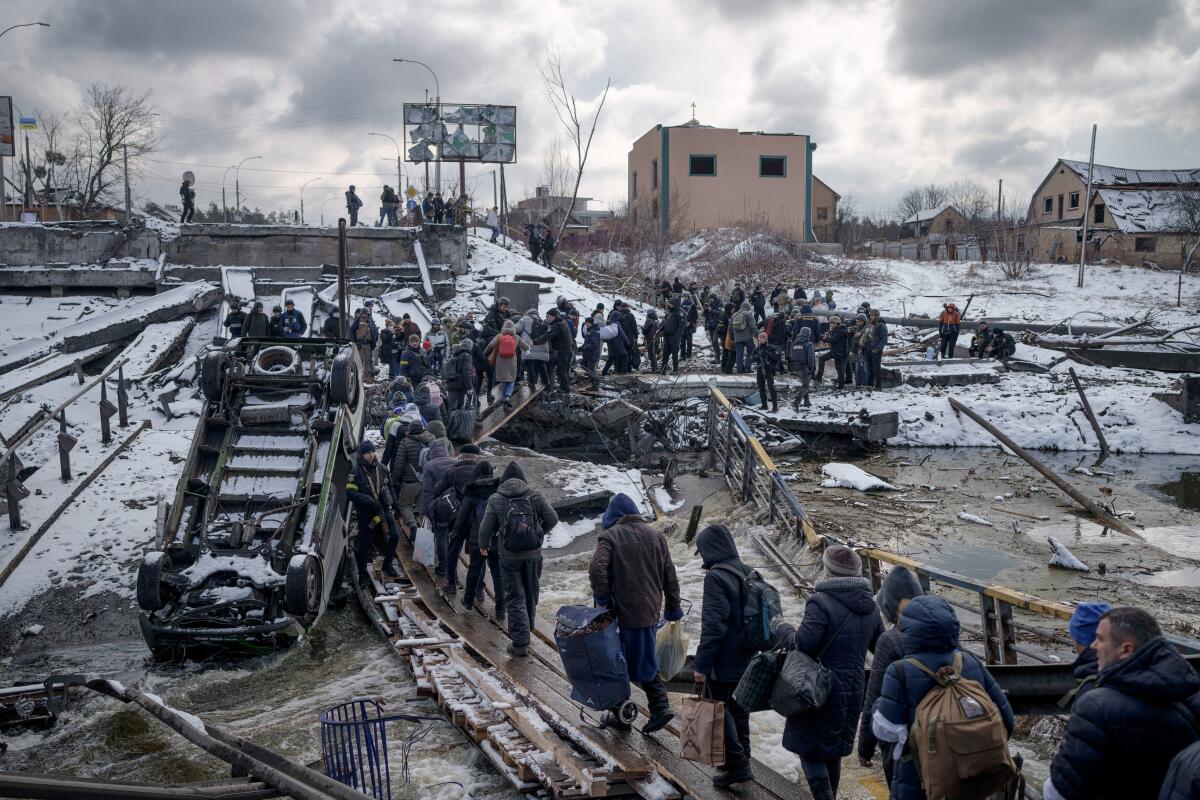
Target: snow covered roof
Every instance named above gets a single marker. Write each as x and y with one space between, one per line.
927 214
1141 210
1103 175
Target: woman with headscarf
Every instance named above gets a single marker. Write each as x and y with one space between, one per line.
502 353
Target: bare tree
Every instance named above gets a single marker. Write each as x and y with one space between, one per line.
1184 218
566 106
920 198
110 122
557 172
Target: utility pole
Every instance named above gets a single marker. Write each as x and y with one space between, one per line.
503 207
1000 200
28 176
128 196
1087 204
343 324
495 196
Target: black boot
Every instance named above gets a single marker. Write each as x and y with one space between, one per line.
660 706
775 406
390 570
724 778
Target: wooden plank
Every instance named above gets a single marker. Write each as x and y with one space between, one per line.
487 429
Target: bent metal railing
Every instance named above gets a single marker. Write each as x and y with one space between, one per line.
752 477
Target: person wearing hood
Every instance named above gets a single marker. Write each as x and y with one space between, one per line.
589 351
437 429
517 516
948 324
537 356
1084 621
721 657
841 623
743 330
929 634
438 462
767 361
367 489
258 324
466 529
899 588
235 319
561 341
403 457
631 572
331 328
839 341
802 358
1123 733
502 353
453 487
459 374
650 332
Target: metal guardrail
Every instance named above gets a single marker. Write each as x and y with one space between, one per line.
752 476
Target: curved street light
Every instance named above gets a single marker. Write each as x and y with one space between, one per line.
306 183
237 185
24 25
323 204
399 176
437 165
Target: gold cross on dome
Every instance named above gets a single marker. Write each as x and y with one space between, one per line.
693 110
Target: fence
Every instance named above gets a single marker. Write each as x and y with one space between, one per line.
752 476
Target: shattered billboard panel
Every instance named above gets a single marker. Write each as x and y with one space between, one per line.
460 132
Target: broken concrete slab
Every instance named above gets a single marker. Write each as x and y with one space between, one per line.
155 347
952 372
869 428
49 368
522 295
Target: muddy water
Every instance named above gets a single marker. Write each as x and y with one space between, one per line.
273 700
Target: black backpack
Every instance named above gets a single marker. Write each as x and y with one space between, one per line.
671 324
537 328
450 370
522 529
760 602
445 508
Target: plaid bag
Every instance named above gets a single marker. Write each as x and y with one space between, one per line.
753 692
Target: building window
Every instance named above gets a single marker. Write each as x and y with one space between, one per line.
633 189
1047 202
772 166
654 207
702 165
949 226
822 214
654 174
1144 244
1073 200
1098 218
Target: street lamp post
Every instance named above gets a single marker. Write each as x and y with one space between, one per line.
237 184
24 25
399 177
306 183
437 166
3 190
323 204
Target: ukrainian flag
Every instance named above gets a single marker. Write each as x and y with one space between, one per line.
28 124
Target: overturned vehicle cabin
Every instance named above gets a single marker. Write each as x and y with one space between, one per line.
250 550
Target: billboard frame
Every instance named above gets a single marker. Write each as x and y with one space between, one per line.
442 109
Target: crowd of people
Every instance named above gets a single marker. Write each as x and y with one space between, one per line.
432 209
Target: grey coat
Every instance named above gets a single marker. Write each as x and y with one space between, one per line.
748 332
536 352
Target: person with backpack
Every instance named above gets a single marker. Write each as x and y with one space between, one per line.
466 529
187 198
839 341
412 363
589 351
459 374
367 489
502 353
403 456
725 650
365 336
841 623
537 356
353 204
929 642
767 362
949 322
899 588
672 332
561 341
617 346
437 463
1143 710
448 497
802 358
631 572
515 522
431 401
743 330
650 333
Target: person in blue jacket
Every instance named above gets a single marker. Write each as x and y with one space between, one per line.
928 633
294 325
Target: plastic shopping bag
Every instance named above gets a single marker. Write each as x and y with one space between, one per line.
670 648
424 550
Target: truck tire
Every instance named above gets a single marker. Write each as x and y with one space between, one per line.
303 586
149 580
212 375
277 360
344 379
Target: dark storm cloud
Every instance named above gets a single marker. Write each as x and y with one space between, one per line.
934 37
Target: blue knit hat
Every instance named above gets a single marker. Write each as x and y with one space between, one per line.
366 446
619 506
1084 621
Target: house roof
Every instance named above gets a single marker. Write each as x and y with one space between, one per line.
1141 210
927 214
1103 175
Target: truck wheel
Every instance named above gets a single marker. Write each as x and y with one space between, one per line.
302 587
212 375
149 580
344 379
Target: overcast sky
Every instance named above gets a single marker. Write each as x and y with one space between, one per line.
895 93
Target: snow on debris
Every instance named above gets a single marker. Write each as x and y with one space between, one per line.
972 518
848 476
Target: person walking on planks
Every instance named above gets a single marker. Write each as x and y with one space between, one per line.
367 489
515 522
632 573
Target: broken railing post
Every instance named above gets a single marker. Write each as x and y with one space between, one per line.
747 473
122 399
79 376
1087 409
713 432
991 630
13 492
693 523
1091 506
107 409
66 443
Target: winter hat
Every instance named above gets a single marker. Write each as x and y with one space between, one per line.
619 506
841 562
366 446
900 584
508 327
415 428
835 320
804 334
503 301
860 317
806 309
552 313
437 428
472 449
1084 621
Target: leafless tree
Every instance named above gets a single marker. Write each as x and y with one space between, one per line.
566 107
111 121
557 172
1016 246
920 198
1184 218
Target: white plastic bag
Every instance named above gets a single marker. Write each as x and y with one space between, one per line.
424 551
670 648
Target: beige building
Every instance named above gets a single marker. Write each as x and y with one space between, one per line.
1131 215
695 176
943 222
824 202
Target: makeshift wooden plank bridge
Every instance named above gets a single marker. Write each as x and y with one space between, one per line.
519 711
495 416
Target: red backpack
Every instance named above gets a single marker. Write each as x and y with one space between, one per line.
507 348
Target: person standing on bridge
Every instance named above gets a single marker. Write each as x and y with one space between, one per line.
367 490
515 523
353 204
187 196
294 323
466 528
502 354
257 324
1084 621
235 319
632 573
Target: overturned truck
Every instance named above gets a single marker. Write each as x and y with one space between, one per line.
250 550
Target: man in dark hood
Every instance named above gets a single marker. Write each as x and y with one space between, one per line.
1123 733
475 498
368 490
516 520
632 573
721 657
899 587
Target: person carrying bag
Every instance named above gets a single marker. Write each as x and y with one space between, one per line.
702 734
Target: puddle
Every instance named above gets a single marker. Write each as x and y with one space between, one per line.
1185 576
1073 530
1186 490
979 563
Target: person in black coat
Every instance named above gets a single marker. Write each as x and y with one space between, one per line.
234 320
562 346
650 337
673 328
1123 733
629 326
721 657
368 489
737 296
759 301
457 478
839 346
841 623
470 513
387 349
1084 621
618 351
1183 776
899 587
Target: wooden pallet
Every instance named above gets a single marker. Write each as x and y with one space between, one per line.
494 417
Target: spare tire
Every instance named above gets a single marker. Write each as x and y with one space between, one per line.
212 374
343 379
149 580
277 360
303 586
